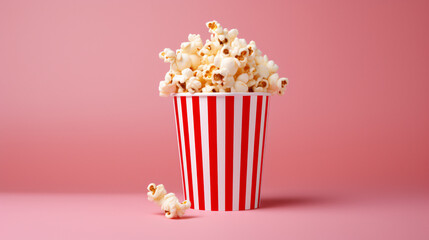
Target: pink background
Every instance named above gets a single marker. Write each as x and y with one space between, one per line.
80 110
80 113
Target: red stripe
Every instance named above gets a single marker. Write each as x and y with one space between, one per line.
262 155
188 152
180 145
244 148
256 151
229 150
212 125
198 151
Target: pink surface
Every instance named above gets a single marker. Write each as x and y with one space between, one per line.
80 110
131 216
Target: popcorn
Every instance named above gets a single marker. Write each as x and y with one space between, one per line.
214 27
156 193
251 83
224 63
262 71
222 39
219 76
228 83
232 34
244 77
166 89
281 83
194 85
187 73
169 202
272 67
272 82
260 85
239 43
210 48
172 207
230 65
242 53
169 76
207 59
251 48
240 87
217 60
193 46
182 61
195 61
168 55
225 51
181 87
179 79
210 89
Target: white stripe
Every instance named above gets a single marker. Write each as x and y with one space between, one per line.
220 118
176 113
182 138
192 149
251 146
261 136
265 136
238 108
205 150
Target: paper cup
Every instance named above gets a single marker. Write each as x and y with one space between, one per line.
221 138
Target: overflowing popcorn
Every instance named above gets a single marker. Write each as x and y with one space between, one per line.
168 201
225 63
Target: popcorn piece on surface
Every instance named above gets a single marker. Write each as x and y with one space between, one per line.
224 63
172 207
156 193
169 202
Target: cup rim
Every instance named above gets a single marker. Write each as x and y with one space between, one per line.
222 94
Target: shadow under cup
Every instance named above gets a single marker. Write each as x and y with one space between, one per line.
221 138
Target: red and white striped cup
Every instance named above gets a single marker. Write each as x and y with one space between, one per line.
221 139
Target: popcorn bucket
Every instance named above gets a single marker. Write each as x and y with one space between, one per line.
221 139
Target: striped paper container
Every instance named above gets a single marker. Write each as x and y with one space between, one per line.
221 139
